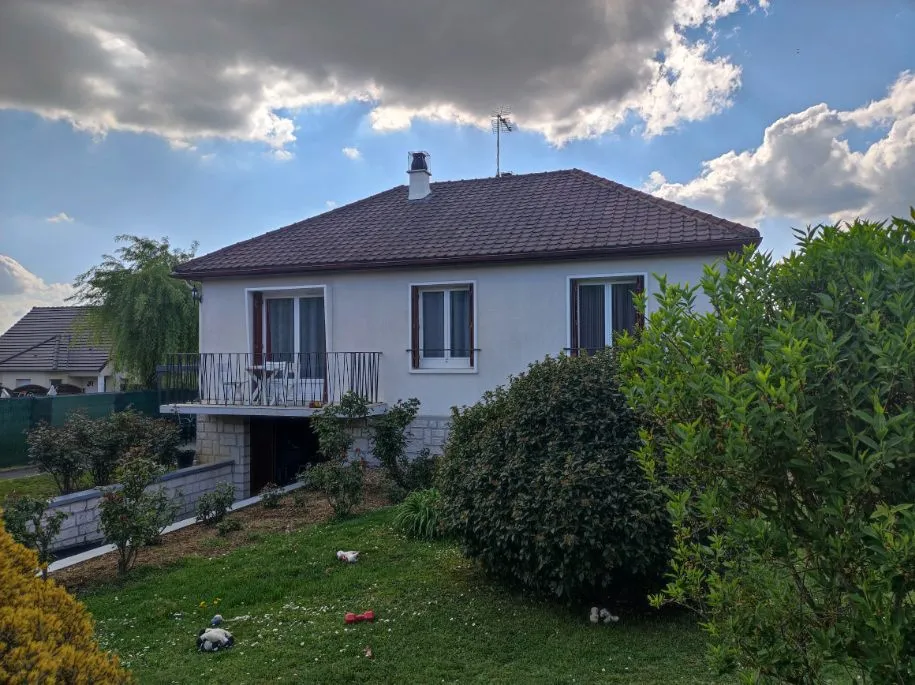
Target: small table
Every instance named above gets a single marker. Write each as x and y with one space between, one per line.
260 373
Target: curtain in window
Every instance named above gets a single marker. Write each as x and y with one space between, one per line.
433 324
280 329
591 318
624 314
312 340
460 323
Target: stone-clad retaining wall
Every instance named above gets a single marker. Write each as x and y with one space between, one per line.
82 523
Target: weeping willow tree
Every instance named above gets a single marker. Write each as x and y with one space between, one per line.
138 307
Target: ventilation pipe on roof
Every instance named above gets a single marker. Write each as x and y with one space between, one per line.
419 171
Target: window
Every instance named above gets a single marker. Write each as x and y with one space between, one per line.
22 381
293 328
442 327
602 308
56 381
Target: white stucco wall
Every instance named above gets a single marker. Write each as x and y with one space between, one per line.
88 382
521 316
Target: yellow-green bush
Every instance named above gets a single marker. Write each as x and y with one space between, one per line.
45 633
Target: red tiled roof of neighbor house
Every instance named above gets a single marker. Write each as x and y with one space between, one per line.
553 215
49 339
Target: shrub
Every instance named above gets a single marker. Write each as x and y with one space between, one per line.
539 483
51 451
341 484
227 526
300 497
213 506
270 496
420 515
45 634
27 520
335 424
131 517
783 425
390 439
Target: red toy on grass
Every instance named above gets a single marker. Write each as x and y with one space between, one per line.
350 617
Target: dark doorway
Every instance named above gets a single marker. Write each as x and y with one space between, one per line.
279 449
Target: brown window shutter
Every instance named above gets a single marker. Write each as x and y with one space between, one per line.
573 307
414 327
639 315
472 339
258 323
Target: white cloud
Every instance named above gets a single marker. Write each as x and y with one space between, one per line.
352 153
20 290
330 204
62 217
570 70
805 168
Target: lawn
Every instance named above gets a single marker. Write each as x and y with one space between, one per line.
41 485
438 619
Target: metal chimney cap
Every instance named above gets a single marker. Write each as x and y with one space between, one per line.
418 161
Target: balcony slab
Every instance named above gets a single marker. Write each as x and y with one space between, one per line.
254 409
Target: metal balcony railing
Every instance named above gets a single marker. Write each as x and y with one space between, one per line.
308 379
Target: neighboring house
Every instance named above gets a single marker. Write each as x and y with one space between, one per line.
45 347
438 291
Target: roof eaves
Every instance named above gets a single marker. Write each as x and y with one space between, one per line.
713 247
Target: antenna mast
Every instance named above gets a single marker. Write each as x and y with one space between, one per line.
501 122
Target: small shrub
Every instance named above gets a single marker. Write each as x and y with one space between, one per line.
213 506
540 484
300 498
270 496
51 451
420 515
28 521
341 484
390 440
46 633
227 526
335 425
130 517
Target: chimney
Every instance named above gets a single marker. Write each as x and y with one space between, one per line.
419 172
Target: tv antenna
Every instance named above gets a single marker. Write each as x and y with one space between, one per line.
501 122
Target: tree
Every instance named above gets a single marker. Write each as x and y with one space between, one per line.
782 425
45 634
138 307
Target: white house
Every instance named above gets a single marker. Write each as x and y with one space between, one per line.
438 291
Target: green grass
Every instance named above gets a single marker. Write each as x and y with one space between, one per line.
41 485
438 620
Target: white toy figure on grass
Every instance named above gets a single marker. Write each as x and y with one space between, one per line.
602 615
348 557
214 639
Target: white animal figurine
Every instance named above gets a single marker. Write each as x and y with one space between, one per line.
605 616
348 557
595 616
214 639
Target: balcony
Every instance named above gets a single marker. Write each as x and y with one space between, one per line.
271 384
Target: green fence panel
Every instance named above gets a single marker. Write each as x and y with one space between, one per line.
18 416
15 421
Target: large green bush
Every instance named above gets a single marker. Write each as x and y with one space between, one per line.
539 483
783 423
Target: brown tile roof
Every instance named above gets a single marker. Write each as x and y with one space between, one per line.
45 340
552 215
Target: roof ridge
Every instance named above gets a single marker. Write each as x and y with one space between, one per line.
660 201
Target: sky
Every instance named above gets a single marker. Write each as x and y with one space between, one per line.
218 120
